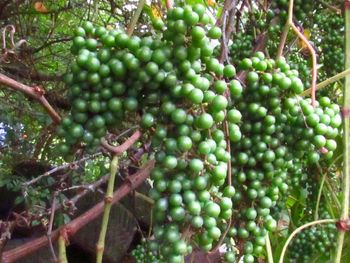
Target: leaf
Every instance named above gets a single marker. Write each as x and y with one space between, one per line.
19 200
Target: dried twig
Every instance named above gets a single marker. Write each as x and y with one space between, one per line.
36 93
72 227
59 168
49 230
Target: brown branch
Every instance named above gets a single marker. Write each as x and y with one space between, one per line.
75 225
49 43
23 71
49 230
135 17
311 49
35 93
227 19
332 8
59 168
314 63
117 150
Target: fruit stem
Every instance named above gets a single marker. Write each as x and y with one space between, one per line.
107 210
135 17
62 254
299 229
319 191
268 249
328 81
291 24
346 136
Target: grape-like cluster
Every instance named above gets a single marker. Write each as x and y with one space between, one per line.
317 241
202 123
303 66
302 9
143 253
190 141
331 45
104 82
279 132
241 47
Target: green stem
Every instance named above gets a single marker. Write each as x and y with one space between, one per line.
62 255
346 136
268 249
299 229
319 191
107 209
135 17
328 81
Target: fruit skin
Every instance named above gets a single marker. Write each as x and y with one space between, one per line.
178 92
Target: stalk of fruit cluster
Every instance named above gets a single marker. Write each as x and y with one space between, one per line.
346 134
62 256
135 17
291 24
328 81
107 210
299 229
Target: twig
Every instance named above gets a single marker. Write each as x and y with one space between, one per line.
328 81
312 51
227 20
144 197
34 92
296 231
49 230
222 238
59 168
333 8
346 137
135 17
72 227
117 150
319 191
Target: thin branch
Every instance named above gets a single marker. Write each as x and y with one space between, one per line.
328 81
331 7
320 190
312 51
135 17
49 230
59 168
117 150
72 227
34 92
